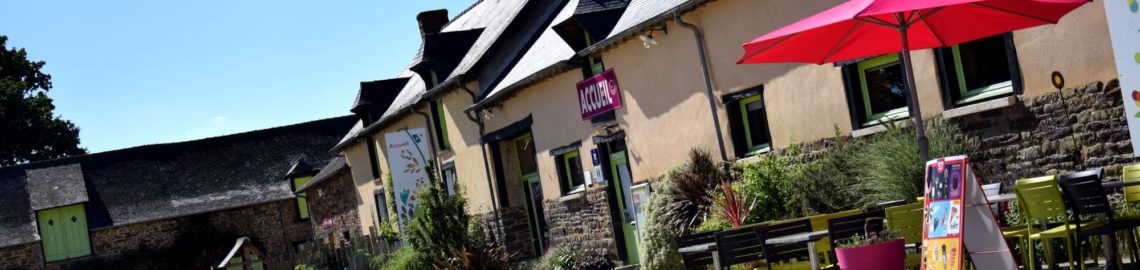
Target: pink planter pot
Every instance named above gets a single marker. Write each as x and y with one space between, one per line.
881 256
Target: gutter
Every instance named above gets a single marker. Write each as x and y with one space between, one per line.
486 164
629 32
700 39
431 141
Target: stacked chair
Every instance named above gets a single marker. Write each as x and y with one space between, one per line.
785 256
907 220
739 246
697 260
1085 192
1040 200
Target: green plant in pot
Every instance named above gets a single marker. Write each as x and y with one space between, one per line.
883 250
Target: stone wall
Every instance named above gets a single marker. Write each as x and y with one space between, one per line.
516 228
334 200
21 256
582 223
216 231
1074 129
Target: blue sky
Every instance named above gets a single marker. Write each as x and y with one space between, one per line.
140 72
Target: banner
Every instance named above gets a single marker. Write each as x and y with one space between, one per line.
1124 30
408 157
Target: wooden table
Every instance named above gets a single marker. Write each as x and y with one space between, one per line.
708 247
808 237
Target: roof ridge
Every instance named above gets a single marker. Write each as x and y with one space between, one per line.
49 162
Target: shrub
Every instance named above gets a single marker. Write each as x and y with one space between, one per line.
732 206
438 228
891 168
768 181
658 248
693 187
823 184
565 258
405 258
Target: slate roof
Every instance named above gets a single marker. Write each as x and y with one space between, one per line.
335 166
549 50
56 186
163 181
550 54
493 16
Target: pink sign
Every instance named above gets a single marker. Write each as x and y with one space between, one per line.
599 94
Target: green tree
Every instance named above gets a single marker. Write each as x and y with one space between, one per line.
30 132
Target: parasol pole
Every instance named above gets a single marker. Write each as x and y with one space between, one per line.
915 109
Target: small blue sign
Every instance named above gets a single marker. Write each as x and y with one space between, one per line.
594 157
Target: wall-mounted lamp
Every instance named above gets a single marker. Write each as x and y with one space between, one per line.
488 115
647 39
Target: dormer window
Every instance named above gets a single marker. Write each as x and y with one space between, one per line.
64 232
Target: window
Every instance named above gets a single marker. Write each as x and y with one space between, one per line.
449 178
302 198
748 122
978 70
64 233
570 172
373 157
755 122
440 124
878 90
381 205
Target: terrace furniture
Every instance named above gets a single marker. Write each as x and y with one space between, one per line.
789 250
907 220
1131 175
1040 199
819 223
1085 191
844 228
739 245
993 190
703 250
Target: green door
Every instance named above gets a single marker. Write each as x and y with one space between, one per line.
63 232
619 168
532 187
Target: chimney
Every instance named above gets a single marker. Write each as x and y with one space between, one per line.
431 21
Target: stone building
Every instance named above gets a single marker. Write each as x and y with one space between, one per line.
556 136
332 204
165 206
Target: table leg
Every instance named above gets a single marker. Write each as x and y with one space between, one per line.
716 260
812 256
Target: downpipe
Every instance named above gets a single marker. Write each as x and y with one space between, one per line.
700 40
474 117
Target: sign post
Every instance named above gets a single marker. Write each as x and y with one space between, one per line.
408 156
1124 29
958 220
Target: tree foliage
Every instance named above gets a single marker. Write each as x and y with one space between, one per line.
31 132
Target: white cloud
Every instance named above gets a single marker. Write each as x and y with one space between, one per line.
218 119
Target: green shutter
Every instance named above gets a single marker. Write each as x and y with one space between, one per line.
302 198
64 233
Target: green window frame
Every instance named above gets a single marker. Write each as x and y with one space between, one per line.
440 125
871 117
754 147
302 198
374 156
968 95
64 233
572 180
434 79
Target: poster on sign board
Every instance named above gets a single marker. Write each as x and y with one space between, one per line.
957 220
1123 18
408 157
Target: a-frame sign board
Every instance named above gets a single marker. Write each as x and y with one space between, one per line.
958 219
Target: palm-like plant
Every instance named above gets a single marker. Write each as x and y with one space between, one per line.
732 207
693 188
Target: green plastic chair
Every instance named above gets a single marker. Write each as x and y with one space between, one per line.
1040 199
1131 194
907 220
